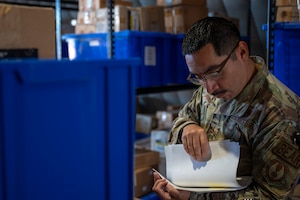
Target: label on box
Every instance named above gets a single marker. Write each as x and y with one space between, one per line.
94 43
134 23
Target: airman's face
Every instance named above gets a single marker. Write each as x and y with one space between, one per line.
223 78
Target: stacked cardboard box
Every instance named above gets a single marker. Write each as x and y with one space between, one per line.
93 17
28 27
181 14
147 18
287 11
144 123
157 127
96 4
145 160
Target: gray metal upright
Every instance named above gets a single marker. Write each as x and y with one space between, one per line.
58 29
270 33
110 32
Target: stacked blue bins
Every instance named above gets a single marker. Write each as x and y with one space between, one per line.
286 54
157 51
67 129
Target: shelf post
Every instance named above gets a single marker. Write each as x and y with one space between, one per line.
58 29
110 32
270 33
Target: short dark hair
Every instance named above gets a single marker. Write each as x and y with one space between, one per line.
220 32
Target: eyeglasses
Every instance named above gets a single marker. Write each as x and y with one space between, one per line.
215 75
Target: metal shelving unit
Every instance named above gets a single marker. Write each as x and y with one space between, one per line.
270 31
60 5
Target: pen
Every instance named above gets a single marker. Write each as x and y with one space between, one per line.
161 176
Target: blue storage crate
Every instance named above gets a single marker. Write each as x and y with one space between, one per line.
86 46
178 60
154 50
67 129
286 54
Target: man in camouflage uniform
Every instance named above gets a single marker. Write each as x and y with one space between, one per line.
239 100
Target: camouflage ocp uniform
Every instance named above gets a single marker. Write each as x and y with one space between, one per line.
264 119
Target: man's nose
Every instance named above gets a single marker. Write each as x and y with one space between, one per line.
211 86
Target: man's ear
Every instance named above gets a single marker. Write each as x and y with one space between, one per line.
243 50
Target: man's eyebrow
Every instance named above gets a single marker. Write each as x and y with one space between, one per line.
211 68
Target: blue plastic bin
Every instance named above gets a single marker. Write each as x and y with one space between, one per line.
286 54
157 50
86 46
154 50
67 129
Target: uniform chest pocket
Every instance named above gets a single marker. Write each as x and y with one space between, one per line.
234 128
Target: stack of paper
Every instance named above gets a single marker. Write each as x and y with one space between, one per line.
216 175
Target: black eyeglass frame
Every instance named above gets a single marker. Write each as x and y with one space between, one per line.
213 75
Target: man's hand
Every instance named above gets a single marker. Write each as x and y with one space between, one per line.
167 192
195 142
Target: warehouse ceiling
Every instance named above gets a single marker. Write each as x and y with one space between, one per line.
65 4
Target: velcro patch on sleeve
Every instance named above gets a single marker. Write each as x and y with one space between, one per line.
288 153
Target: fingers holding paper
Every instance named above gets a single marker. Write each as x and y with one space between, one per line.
165 191
195 142
159 187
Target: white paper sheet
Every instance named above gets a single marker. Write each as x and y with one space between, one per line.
217 174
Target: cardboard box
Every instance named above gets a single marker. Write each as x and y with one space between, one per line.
185 16
189 2
85 28
286 2
151 18
287 14
146 158
179 19
27 27
144 123
96 21
173 108
143 181
159 139
168 17
87 17
163 2
165 118
120 19
84 5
